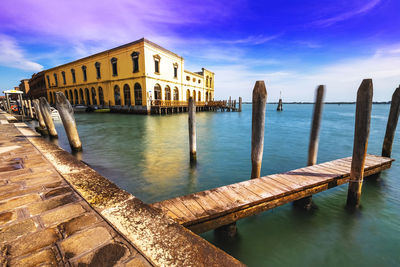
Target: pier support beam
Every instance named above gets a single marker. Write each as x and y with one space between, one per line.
240 104
361 134
67 116
46 113
391 124
306 202
192 129
258 125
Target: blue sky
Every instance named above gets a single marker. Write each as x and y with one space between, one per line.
293 45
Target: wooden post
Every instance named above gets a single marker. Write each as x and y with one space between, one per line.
46 113
361 133
240 104
192 129
258 125
314 139
391 124
21 101
30 108
67 116
8 103
38 113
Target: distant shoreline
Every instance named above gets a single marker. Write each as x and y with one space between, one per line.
329 103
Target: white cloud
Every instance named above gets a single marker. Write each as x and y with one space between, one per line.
11 55
341 78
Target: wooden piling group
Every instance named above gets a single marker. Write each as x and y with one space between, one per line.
391 124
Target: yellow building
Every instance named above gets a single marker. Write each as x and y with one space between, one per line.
133 77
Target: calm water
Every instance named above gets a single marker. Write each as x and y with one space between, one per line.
148 156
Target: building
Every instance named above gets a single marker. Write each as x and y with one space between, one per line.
37 86
136 76
24 86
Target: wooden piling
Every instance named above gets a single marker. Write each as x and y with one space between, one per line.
391 124
46 113
258 125
67 117
38 114
192 129
314 140
240 104
361 133
30 108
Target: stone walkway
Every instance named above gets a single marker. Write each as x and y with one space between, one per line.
43 221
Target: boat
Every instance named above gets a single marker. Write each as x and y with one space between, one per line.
54 114
80 108
102 110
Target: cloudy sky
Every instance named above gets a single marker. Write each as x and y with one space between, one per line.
293 45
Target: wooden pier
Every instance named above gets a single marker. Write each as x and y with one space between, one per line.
175 106
210 209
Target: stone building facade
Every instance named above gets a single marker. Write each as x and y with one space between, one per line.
137 75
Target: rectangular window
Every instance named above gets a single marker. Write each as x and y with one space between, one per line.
156 66
84 73
114 66
55 79
73 76
63 75
48 81
175 72
97 65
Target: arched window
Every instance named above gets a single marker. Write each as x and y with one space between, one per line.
98 73
71 97
210 82
207 81
138 94
157 92
94 100
76 97
194 95
73 76
176 93
206 96
199 97
117 96
101 96
81 99
84 73
127 95
187 95
87 96
135 61
167 93
66 94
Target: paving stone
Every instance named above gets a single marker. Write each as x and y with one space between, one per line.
138 261
62 214
17 202
9 187
107 255
46 179
85 241
7 217
33 242
21 192
57 192
72 226
16 230
42 206
46 256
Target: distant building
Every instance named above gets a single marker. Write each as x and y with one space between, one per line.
37 86
24 86
137 75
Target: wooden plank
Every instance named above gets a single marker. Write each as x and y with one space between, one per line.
192 205
308 174
182 208
209 204
342 170
237 199
274 184
291 185
244 192
167 211
259 190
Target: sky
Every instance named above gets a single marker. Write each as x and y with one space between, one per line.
293 45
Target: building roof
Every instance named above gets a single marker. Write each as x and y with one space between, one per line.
144 40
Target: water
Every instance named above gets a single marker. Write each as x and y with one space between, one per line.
148 156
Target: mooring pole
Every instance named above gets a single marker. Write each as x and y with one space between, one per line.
240 104
38 114
67 117
258 125
391 124
361 133
46 113
314 140
30 108
192 129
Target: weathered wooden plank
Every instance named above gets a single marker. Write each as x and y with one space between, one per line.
173 202
192 205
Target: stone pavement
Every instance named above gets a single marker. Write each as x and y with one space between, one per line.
43 221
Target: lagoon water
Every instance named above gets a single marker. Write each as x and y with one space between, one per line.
148 156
